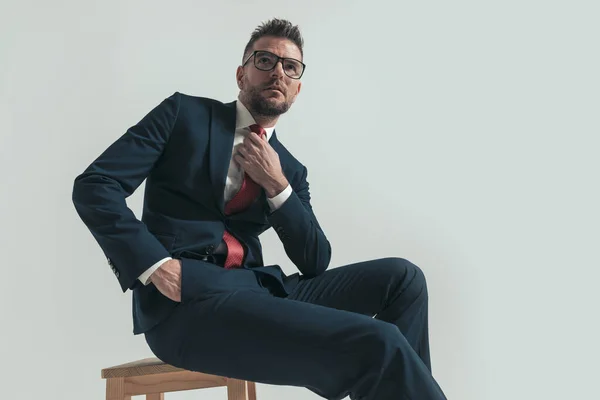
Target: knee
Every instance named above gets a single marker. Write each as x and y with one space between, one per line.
376 349
382 341
403 269
386 333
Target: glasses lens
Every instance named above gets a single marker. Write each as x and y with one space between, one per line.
265 61
293 68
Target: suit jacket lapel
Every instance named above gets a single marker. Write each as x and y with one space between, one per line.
276 145
222 132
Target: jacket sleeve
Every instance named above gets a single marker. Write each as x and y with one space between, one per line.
303 239
99 194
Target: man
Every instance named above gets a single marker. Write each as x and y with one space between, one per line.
217 177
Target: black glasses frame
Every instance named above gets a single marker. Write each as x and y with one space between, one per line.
282 59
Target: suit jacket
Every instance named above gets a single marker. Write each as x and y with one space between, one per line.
183 148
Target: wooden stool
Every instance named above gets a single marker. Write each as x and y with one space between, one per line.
154 378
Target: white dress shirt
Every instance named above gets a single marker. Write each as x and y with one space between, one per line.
235 175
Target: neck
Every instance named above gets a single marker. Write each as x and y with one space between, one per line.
266 121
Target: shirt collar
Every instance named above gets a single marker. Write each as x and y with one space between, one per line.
244 119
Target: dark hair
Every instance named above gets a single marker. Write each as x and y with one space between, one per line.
277 28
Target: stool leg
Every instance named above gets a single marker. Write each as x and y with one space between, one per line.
115 389
251 390
155 396
236 390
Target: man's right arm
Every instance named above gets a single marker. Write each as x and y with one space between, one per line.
100 192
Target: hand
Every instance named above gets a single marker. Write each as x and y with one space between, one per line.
261 162
167 279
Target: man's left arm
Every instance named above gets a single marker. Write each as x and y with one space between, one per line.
296 225
292 217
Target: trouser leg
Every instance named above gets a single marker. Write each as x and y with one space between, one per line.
391 289
229 325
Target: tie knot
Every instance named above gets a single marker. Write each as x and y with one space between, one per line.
259 130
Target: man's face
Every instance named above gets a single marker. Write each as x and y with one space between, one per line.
269 93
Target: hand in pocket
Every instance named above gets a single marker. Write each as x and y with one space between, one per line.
167 279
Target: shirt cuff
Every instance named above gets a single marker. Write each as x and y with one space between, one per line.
278 200
145 276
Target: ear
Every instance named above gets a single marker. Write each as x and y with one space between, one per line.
239 77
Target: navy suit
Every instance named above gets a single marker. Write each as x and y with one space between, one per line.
313 329
183 147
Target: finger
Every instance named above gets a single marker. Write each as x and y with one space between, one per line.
249 151
247 157
241 160
252 147
254 138
242 151
244 164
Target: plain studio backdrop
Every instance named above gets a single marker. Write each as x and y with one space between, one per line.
460 135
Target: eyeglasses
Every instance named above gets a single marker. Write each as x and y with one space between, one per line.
266 61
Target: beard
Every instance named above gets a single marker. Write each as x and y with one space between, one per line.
265 107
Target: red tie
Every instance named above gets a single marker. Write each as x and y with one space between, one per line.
242 200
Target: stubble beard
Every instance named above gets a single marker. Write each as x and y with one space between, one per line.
263 107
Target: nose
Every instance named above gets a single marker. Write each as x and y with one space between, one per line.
278 69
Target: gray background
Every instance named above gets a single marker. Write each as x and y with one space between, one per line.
460 135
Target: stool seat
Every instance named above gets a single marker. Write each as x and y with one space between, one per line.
146 366
153 378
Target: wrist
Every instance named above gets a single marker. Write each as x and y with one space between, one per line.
158 272
155 274
276 187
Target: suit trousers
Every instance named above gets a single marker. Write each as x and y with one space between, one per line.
359 330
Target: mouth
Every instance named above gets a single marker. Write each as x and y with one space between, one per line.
274 89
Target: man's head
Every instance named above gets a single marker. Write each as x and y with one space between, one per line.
269 85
